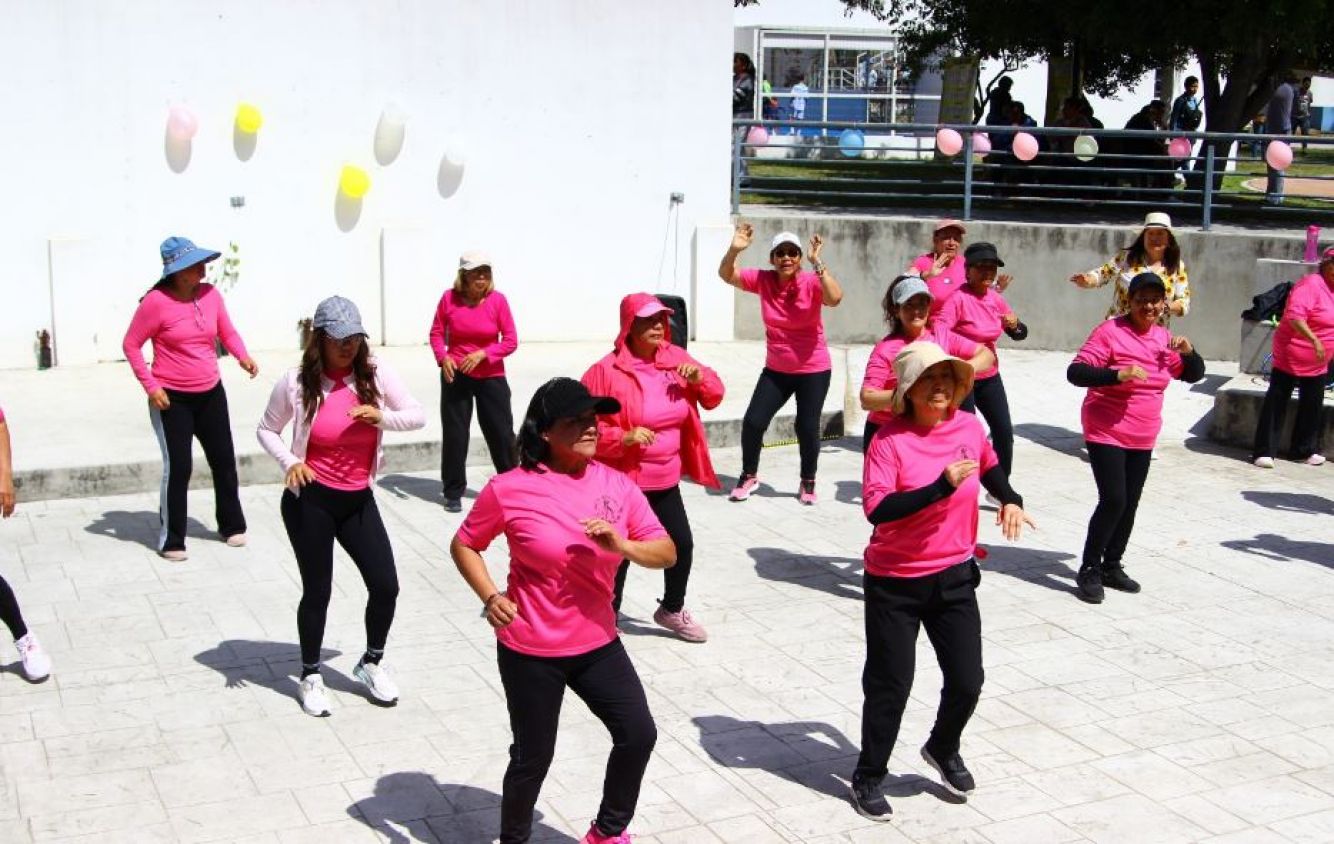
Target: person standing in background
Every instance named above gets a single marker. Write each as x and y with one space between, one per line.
1278 121
1301 110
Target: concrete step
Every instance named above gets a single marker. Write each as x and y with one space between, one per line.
1237 410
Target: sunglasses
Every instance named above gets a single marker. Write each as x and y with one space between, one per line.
787 252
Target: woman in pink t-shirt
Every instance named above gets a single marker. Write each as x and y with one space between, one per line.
185 318
907 307
339 401
1302 348
568 521
657 437
33 660
1126 363
796 359
471 335
943 267
919 489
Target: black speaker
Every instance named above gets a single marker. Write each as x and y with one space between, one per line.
679 319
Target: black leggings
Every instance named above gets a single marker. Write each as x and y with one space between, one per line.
1305 428
945 603
988 398
314 519
671 511
492 396
203 416
772 392
1120 474
9 611
606 681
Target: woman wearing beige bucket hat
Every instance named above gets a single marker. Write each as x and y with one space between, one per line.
1155 250
920 484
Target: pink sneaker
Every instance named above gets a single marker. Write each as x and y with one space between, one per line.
682 624
807 494
745 485
595 837
1316 459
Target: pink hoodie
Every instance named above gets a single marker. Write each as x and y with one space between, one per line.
613 375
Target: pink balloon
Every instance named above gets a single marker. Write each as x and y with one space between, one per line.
948 142
981 143
1025 146
181 123
757 136
1278 155
1179 148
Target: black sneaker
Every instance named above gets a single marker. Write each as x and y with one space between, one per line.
953 773
1115 577
869 800
1089 582
453 505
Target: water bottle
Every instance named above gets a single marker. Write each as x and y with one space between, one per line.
1312 244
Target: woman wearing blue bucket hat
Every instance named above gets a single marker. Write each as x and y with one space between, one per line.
184 318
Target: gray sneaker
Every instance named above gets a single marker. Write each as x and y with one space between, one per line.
869 800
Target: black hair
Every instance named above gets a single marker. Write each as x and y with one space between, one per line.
747 66
1136 253
888 306
1192 80
529 447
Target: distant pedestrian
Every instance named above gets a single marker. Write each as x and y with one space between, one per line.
1301 110
1187 114
998 103
33 660
185 318
1278 121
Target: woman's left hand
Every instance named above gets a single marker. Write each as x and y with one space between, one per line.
471 361
1182 345
690 372
602 532
249 366
1003 281
368 413
1010 321
817 243
1177 307
1012 519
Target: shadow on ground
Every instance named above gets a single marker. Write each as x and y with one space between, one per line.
1210 384
412 806
1291 502
1054 437
275 666
1042 568
143 527
839 576
1274 547
406 486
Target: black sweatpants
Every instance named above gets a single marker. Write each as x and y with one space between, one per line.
314 520
1120 474
988 398
945 603
492 396
606 681
772 392
1305 428
203 416
9 611
671 511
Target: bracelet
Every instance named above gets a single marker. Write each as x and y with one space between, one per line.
486 605
819 266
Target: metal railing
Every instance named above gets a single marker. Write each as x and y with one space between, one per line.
897 164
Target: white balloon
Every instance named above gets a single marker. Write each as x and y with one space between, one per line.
389 134
456 150
1086 147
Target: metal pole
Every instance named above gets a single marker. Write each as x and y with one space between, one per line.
1206 219
736 170
967 176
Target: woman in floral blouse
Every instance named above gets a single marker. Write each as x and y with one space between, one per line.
1155 251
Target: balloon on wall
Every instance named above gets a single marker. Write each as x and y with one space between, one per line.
1025 146
757 136
354 182
182 123
1278 155
1179 148
389 134
1086 147
248 118
851 142
981 143
450 175
949 142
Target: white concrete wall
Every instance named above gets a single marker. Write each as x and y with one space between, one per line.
580 118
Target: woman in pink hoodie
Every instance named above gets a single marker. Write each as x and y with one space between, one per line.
657 436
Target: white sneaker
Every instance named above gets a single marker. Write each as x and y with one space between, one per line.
236 540
36 664
377 681
1316 459
1264 462
174 556
314 697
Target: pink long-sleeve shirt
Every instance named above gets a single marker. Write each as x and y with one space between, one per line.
459 329
184 357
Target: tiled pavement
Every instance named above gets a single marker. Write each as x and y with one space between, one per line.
1198 710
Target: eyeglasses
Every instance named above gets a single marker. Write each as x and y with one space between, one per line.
787 253
349 342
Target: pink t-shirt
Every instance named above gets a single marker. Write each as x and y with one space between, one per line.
341 450
1310 300
665 411
793 329
1128 414
459 329
880 366
184 357
561 579
977 317
944 285
903 456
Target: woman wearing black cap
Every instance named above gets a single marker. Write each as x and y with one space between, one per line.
1126 363
340 401
980 313
568 522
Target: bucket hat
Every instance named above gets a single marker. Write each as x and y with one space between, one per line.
179 253
916 358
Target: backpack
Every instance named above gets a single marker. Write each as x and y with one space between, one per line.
1269 304
1191 116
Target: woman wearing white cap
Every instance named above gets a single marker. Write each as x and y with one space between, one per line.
1155 250
943 267
920 482
797 358
184 318
471 335
907 307
340 400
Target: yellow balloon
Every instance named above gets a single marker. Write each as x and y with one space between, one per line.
354 182
248 118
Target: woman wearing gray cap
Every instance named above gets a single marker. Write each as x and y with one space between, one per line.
340 401
796 355
471 335
908 305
